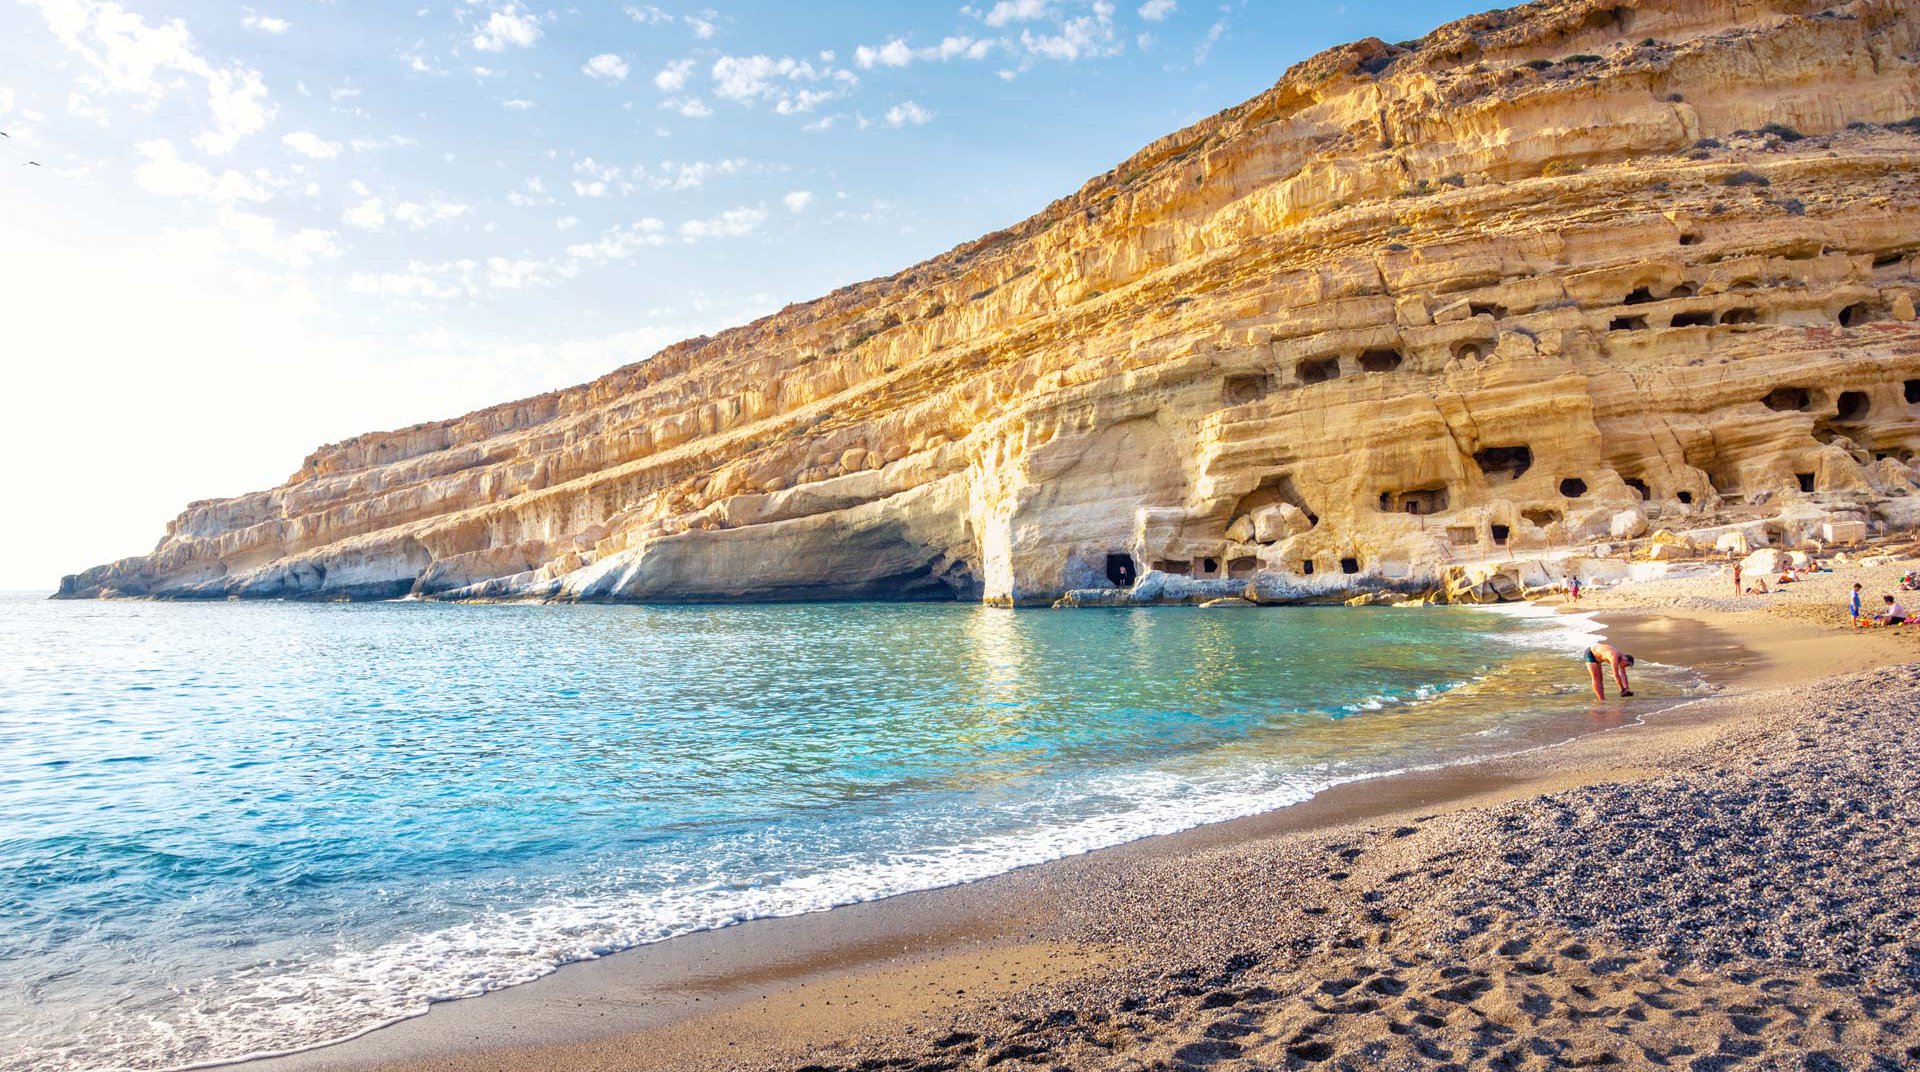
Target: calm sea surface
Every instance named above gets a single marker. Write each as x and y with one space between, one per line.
240 828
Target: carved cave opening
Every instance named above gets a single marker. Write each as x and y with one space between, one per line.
1911 388
1498 312
1788 398
1638 296
1349 565
1628 323
1740 316
1857 314
1806 481
1207 567
1500 534
1852 406
1506 463
1380 360
1472 349
1540 517
1414 501
1573 487
1306 567
1699 319
1173 567
1685 497
1243 567
1248 387
1274 489
1684 290
1318 369
1640 486
1120 569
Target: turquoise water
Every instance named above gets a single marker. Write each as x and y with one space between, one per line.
243 828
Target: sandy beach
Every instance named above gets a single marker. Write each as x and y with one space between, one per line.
1727 884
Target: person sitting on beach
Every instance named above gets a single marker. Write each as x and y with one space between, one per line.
1853 606
1895 614
1759 588
1613 657
1784 578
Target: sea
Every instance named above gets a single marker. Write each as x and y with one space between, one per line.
237 829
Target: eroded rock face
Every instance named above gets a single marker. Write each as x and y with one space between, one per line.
1411 306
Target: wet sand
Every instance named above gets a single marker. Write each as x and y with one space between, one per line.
1332 914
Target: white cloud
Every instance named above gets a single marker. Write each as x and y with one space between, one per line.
1156 10
606 66
733 223
621 243
1084 37
124 53
418 216
261 236
751 78
896 52
1007 11
533 194
1205 48
163 172
907 112
6 101
517 105
566 223
391 141
673 77
798 200
307 143
264 23
702 24
691 107
507 28
368 215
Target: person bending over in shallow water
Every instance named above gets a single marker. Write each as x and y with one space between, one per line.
1614 657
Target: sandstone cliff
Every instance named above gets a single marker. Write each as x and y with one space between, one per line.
1462 298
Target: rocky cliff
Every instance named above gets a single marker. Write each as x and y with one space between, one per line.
1471 296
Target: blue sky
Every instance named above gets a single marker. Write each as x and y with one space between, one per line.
257 229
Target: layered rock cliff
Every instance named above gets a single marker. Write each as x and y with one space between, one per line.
1418 304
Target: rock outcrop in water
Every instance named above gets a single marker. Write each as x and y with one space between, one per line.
1533 280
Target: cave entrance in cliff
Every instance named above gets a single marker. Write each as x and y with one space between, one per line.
1638 296
1698 319
1349 565
1504 463
1380 360
1640 487
1857 314
1120 569
1627 323
1500 534
1416 501
1272 491
1243 567
1573 487
1806 482
1740 316
1852 407
1538 517
1911 390
1788 398
1248 387
1306 567
1685 497
1173 567
1473 349
1318 369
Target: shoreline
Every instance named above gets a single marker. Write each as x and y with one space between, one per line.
744 991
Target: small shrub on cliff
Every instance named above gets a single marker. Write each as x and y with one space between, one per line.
1397 247
1456 180
1793 206
1556 168
1910 126
1743 177
1539 65
1581 58
1782 131
1707 143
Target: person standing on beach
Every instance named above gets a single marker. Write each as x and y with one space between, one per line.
1573 587
1853 605
1613 657
1736 576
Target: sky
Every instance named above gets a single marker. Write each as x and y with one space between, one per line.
230 234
